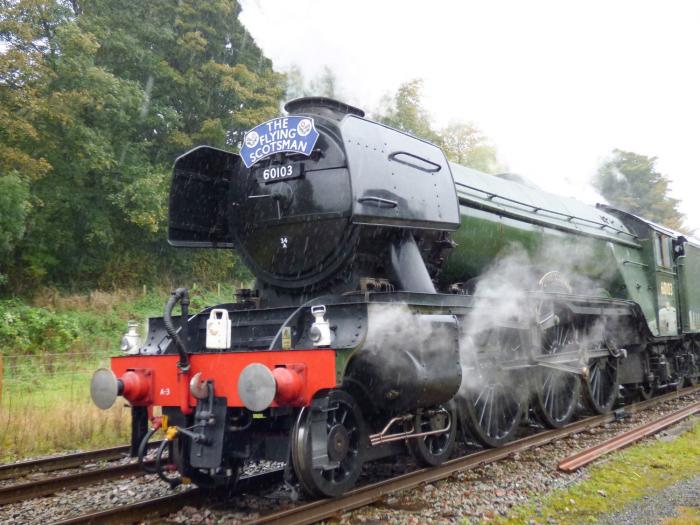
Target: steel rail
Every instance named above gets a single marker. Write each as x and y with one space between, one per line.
12 470
318 510
360 497
154 508
44 487
580 459
141 511
21 468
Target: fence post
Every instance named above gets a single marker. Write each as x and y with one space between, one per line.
2 373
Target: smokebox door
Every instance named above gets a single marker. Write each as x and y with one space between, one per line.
198 197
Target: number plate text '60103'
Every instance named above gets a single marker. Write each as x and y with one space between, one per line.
277 173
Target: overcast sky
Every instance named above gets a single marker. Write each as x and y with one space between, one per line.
555 85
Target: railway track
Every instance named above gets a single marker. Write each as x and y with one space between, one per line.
589 455
23 468
153 508
322 509
319 510
13 470
44 487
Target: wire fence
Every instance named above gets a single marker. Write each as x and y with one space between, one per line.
20 374
45 405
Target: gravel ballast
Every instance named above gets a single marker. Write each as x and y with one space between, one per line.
652 509
471 496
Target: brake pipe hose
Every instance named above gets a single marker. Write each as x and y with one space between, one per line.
174 481
143 446
178 296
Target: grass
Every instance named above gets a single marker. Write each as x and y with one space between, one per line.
686 516
57 416
45 405
627 476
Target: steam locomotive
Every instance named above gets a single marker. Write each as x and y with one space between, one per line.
401 302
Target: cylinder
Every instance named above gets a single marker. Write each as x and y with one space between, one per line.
409 360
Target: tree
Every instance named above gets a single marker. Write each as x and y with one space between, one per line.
23 74
404 111
14 206
97 98
296 84
323 85
205 79
462 143
629 181
465 144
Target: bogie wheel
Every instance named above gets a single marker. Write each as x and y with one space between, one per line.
556 393
600 386
645 391
434 449
491 406
692 375
638 391
341 426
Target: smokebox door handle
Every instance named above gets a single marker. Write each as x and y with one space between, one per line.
378 202
415 161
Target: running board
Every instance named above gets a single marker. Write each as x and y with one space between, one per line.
570 362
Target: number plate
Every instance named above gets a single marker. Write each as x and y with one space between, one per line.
277 172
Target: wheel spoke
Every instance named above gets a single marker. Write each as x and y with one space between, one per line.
602 386
332 481
489 424
499 421
484 407
491 414
555 396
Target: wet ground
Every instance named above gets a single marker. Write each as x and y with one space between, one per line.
680 500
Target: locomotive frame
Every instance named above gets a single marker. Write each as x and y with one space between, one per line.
366 335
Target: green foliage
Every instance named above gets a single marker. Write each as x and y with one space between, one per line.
30 330
14 206
92 323
97 98
404 111
462 143
465 144
629 181
323 85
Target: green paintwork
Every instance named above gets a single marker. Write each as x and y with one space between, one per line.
688 266
611 249
635 266
673 290
342 356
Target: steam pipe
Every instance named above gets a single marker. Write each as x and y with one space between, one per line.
180 295
408 267
385 437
